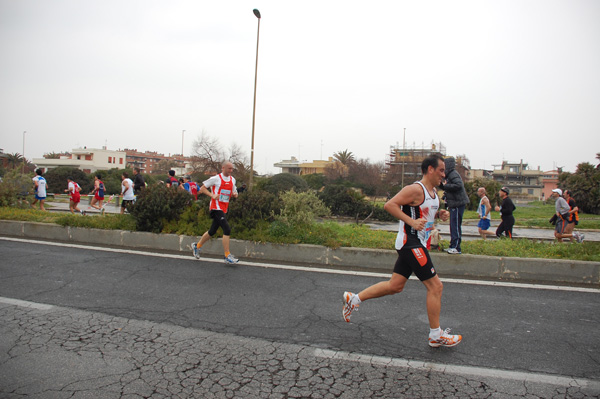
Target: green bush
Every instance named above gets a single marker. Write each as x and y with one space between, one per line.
250 208
14 189
57 179
301 209
316 181
344 201
283 182
157 205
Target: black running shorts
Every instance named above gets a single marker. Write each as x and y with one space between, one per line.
414 260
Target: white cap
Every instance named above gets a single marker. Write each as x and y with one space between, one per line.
557 191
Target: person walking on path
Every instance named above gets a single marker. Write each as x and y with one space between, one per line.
573 217
98 193
562 214
484 210
222 188
126 192
73 189
416 206
40 188
138 181
506 210
456 200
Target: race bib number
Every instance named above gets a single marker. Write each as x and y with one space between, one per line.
224 195
428 230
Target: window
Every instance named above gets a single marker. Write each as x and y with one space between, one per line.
530 191
121 161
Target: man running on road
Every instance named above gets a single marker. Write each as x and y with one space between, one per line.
416 206
222 188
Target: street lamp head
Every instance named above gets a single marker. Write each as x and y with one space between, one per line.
257 13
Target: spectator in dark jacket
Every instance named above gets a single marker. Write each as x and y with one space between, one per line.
456 200
506 210
138 181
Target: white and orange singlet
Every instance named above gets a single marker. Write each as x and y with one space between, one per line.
224 187
409 237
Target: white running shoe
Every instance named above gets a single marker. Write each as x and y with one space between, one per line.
348 307
231 259
453 251
195 250
581 237
445 340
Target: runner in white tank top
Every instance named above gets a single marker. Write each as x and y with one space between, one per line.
409 237
415 206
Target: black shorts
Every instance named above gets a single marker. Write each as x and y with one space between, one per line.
219 220
414 260
126 203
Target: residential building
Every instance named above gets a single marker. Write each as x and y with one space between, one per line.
3 159
148 161
523 183
479 174
88 160
314 167
296 167
291 166
550 182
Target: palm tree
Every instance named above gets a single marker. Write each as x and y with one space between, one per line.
344 157
14 161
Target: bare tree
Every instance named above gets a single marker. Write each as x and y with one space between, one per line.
207 154
208 157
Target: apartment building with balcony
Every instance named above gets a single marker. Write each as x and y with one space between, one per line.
523 183
88 160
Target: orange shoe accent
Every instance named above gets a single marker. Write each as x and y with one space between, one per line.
446 340
348 308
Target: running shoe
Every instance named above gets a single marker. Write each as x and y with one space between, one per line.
453 251
348 307
445 340
231 259
195 250
581 237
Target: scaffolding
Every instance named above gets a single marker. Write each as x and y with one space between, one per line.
404 163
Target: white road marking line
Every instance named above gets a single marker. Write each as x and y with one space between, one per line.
306 268
459 370
25 304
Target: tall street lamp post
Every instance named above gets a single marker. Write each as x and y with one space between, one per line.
257 13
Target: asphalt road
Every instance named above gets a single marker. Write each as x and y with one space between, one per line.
157 325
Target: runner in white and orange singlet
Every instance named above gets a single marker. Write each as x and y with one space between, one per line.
416 206
222 189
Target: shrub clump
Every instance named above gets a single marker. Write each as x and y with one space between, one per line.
14 189
251 208
157 205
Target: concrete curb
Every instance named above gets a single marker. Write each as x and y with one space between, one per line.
550 271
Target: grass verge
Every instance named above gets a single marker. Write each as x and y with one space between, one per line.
330 234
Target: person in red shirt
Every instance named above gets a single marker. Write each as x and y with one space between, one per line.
73 189
220 188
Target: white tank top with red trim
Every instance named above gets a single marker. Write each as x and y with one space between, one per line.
409 237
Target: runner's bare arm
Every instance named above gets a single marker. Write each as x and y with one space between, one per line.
409 195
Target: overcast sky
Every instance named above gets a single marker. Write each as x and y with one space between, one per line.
494 80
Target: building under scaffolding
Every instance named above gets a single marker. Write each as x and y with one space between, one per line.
404 164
